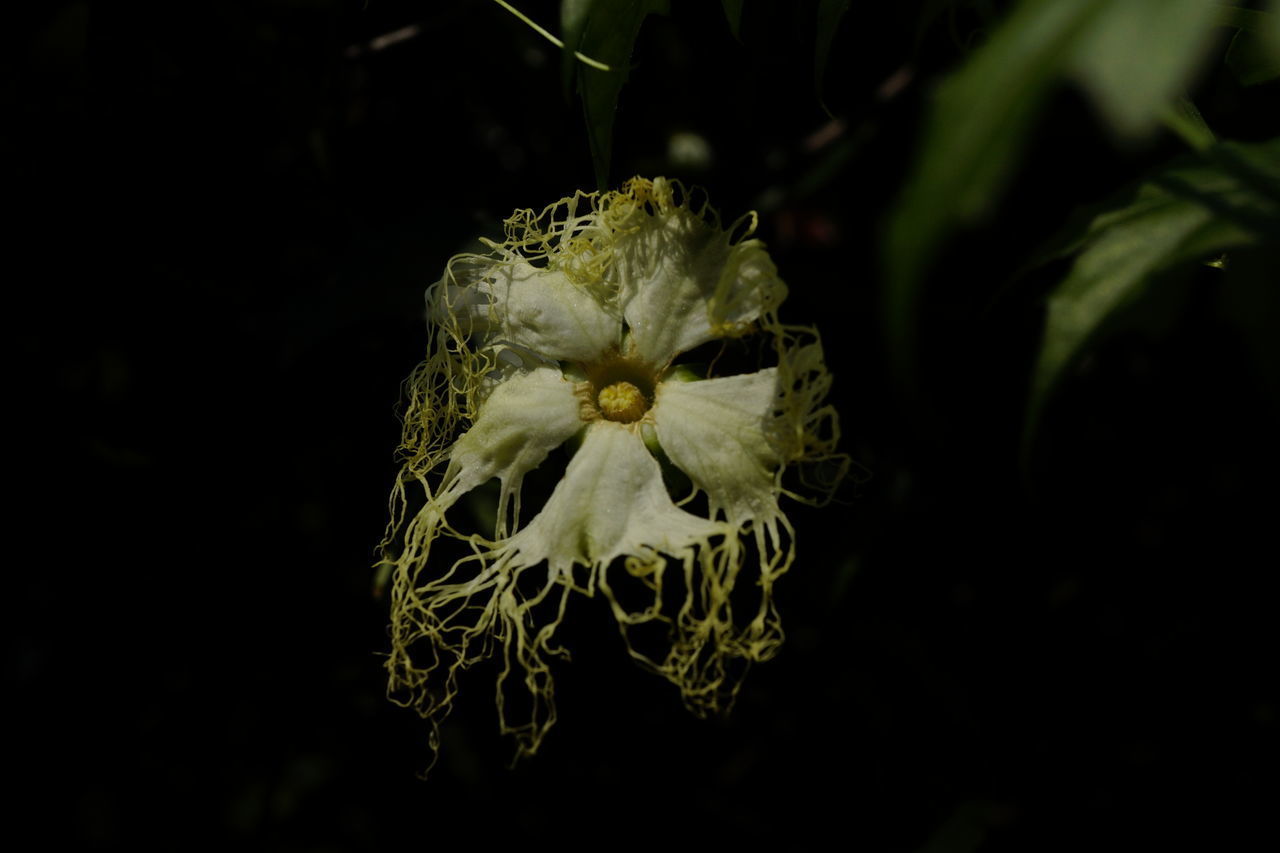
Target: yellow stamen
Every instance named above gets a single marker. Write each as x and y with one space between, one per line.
623 402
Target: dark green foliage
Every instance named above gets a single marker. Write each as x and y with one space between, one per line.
605 30
1254 55
1191 212
733 14
830 13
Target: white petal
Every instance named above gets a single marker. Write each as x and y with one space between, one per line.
611 502
523 419
682 283
538 309
715 431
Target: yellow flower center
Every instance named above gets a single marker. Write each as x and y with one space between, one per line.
622 401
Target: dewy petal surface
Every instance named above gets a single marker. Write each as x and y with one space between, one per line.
523 419
682 282
611 502
715 431
542 311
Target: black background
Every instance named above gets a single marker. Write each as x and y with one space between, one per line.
228 213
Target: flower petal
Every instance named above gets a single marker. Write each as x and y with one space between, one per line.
683 281
522 420
538 309
610 503
716 431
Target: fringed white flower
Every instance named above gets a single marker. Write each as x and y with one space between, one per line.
571 329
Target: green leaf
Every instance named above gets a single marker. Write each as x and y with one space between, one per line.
1254 54
1131 58
1251 59
573 18
1271 32
829 14
1138 55
973 137
1185 120
1243 188
733 13
1184 214
607 31
1266 24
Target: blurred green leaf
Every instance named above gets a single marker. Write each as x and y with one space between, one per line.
1251 60
1271 32
733 12
973 136
1243 19
964 831
1254 167
1131 58
605 30
1184 119
1254 54
1227 198
1138 55
830 12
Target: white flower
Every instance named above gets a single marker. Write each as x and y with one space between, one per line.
570 329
